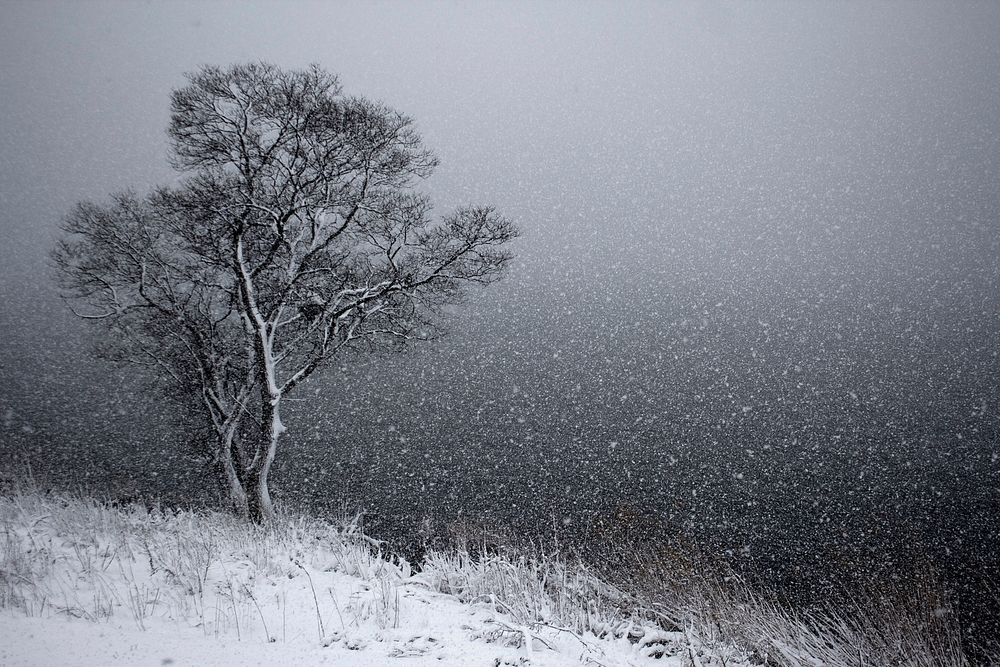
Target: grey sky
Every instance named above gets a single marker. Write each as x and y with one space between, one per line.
632 122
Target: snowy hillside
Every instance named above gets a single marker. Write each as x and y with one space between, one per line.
86 584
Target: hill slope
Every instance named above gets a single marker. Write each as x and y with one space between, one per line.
82 583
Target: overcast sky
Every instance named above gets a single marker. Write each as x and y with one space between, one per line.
639 121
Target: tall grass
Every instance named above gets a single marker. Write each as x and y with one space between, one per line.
64 554
71 555
532 589
703 611
910 625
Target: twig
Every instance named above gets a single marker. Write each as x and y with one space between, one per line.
319 618
695 661
236 615
249 594
337 607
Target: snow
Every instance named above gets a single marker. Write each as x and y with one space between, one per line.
436 631
86 584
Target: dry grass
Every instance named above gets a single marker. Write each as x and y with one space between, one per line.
912 627
62 554
532 589
72 555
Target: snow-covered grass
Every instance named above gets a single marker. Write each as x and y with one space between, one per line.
156 585
911 626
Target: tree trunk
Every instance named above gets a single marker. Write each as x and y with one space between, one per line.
231 482
261 510
261 507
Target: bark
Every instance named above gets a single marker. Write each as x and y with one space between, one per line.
261 507
261 510
231 479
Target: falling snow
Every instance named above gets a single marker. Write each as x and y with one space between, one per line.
755 308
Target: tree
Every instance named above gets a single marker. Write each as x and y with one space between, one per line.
295 235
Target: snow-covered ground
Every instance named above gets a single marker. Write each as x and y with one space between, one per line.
431 630
85 584
82 583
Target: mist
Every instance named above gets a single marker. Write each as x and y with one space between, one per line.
755 303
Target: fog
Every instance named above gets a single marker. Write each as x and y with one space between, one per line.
755 302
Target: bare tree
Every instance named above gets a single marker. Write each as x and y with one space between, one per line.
295 236
166 310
